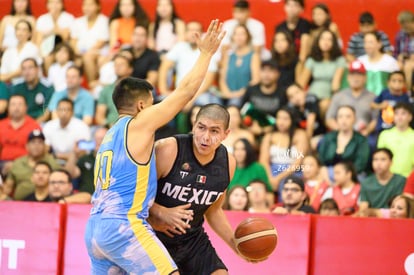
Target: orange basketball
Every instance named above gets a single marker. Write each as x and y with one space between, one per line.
256 238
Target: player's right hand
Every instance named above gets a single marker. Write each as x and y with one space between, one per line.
211 41
173 221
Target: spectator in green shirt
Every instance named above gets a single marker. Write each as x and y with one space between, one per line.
36 91
378 189
106 113
400 140
247 167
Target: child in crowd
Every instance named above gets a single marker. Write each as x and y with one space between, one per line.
329 207
64 57
237 199
386 101
307 107
400 140
258 202
346 188
315 185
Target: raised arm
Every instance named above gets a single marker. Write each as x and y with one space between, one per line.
163 112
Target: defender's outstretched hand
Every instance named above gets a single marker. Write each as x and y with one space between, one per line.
212 39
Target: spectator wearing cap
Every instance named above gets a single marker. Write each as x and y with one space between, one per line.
14 132
294 197
266 97
400 140
358 97
19 179
63 133
356 42
298 27
241 15
36 91
404 46
378 64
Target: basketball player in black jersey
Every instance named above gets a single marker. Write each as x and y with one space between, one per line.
194 171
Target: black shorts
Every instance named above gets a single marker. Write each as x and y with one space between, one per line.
195 255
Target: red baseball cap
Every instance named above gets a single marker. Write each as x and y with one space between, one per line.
356 66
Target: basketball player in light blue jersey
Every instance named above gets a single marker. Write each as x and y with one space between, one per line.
118 237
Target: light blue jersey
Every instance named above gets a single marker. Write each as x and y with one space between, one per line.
123 187
118 238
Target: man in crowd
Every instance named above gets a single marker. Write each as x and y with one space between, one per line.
19 179
40 180
61 189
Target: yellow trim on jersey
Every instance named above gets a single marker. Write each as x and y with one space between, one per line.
153 249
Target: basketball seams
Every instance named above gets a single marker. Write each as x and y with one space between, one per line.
256 235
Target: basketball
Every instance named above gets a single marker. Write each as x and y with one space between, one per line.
256 238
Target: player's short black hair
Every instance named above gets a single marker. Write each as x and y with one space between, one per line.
129 90
215 112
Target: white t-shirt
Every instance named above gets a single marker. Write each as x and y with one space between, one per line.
63 140
255 27
387 63
87 37
57 75
184 58
45 23
12 58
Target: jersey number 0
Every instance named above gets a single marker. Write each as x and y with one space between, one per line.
103 169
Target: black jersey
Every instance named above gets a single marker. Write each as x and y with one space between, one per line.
191 182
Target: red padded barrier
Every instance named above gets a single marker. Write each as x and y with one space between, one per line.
343 245
290 256
75 256
31 237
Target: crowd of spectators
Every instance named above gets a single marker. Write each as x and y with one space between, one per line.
317 125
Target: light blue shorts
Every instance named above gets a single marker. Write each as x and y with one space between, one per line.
125 246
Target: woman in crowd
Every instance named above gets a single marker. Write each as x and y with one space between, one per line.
52 28
10 62
345 144
247 167
240 67
346 188
321 20
325 66
237 199
167 28
125 16
282 150
236 130
20 10
64 58
90 34
315 180
283 52
377 63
